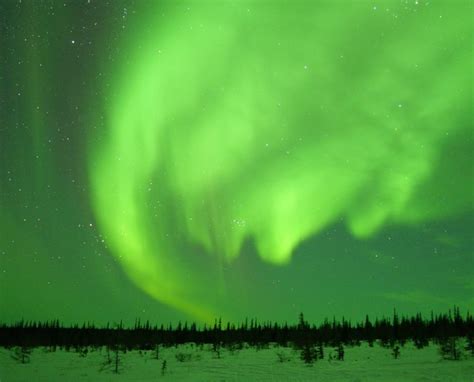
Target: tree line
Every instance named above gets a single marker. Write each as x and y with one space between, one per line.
438 328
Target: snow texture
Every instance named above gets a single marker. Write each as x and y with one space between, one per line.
361 364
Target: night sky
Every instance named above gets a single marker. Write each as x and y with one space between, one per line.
178 160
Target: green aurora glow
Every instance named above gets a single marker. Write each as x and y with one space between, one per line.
257 127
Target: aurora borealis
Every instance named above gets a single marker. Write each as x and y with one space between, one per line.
189 160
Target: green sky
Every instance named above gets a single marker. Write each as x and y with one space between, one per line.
189 160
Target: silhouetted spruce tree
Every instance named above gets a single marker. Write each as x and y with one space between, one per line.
302 323
117 360
216 349
21 354
309 354
156 352
369 331
396 351
449 348
470 344
340 352
395 326
113 362
320 351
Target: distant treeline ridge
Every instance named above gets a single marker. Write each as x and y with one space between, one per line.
143 335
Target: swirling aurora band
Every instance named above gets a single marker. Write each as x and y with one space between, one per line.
268 123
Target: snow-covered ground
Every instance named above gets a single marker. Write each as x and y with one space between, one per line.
361 364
